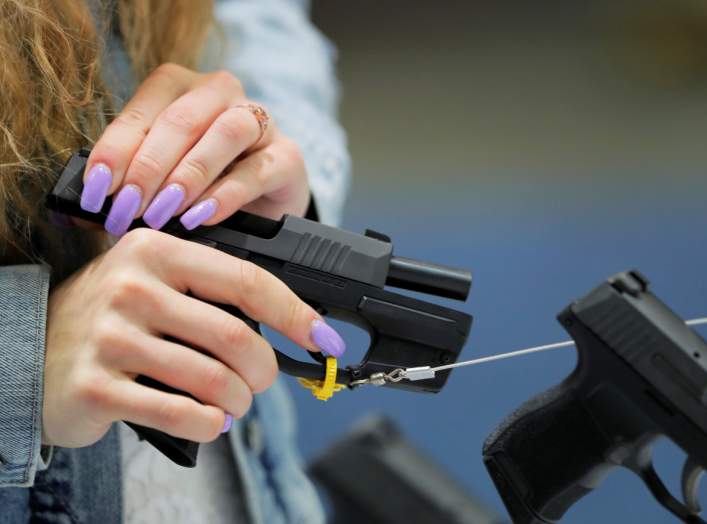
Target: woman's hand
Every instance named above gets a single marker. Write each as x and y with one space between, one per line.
107 323
192 143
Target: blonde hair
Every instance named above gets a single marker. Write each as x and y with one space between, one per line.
53 101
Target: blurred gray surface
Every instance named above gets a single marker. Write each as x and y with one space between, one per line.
472 89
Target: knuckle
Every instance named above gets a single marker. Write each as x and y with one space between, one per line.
126 291
141 243
116 341
196 169
134 118
228 79
250 279
92 391
234 333
107 150
171 412
109 338
231 125
179 118
168 69
259 166
216 378
144 168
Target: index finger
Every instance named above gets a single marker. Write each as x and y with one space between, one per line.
218 277
112 153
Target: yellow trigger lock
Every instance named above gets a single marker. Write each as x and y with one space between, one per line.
324 389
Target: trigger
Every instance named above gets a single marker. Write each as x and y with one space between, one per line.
692 473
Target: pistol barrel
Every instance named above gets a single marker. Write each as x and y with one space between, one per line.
426 277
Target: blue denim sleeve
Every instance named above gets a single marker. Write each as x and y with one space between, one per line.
23 292
286 64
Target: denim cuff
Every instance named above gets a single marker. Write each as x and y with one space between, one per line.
23 292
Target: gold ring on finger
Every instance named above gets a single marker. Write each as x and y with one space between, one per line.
261 115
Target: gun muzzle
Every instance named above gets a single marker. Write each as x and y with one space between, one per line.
433 279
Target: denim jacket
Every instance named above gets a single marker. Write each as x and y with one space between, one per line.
287 65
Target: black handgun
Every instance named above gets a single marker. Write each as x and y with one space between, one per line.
375 458
339 273
641 373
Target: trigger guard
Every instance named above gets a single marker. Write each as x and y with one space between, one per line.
317 356
640 462
300 369
294 367
692 474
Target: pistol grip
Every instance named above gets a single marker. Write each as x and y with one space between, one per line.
546 456
179 450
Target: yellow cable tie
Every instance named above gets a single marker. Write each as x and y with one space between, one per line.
324 389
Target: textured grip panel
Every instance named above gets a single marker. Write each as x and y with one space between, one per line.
545 456
181 451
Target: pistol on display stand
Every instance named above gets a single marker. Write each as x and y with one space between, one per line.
375 458
641 374
339 273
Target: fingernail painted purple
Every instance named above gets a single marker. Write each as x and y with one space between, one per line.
125 206
228 423
164 205
95 188
327 339
199 214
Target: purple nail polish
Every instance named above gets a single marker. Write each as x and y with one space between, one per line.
227 424
122 212
199 214
164 205
95 188
327 339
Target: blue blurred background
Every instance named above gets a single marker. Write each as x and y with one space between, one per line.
545 146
